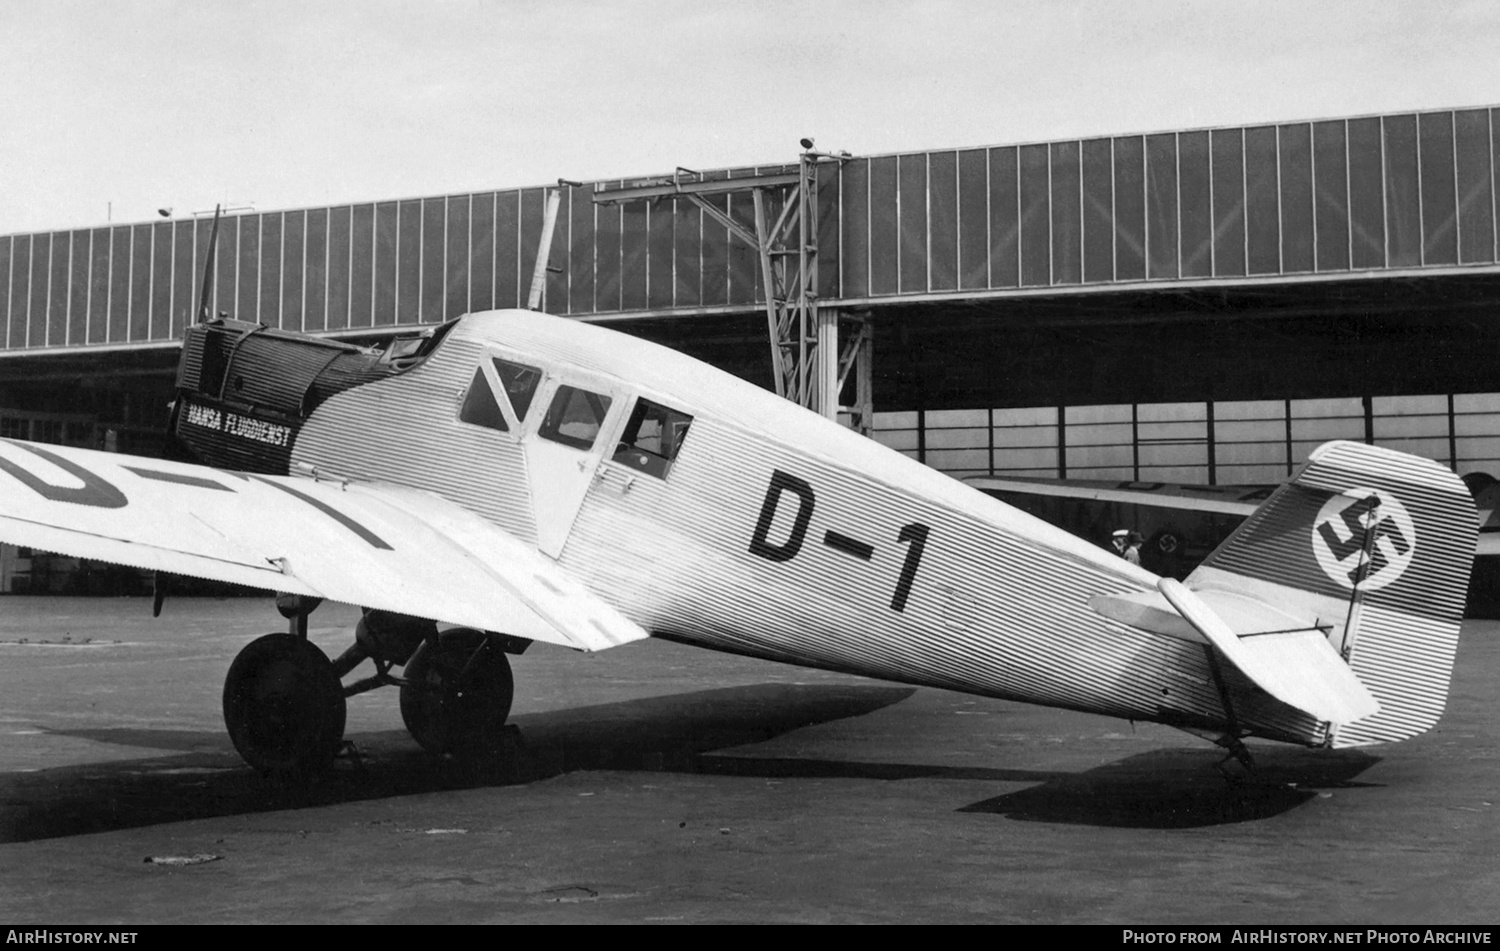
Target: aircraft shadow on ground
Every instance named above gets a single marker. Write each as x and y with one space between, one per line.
1180 789
203 777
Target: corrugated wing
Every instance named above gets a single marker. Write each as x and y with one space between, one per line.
381 547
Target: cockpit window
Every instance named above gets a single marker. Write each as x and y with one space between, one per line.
652 438
404 348
574 417
520 383
480 407
408 350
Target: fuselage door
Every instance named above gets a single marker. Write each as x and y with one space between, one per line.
564 450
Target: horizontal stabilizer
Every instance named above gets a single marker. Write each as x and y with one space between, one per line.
1299 668
1151 611
1147 611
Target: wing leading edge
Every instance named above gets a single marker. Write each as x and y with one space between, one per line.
1219 500
373 545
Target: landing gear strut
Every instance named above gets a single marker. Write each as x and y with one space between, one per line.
1237 751
284 700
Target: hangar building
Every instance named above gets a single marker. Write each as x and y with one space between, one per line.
1194 306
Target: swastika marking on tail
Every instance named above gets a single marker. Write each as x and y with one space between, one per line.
1365 538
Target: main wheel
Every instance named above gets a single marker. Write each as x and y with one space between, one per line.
284 706
457 694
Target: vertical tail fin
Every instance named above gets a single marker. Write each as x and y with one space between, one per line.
1376 547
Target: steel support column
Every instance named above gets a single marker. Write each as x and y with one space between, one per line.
810 365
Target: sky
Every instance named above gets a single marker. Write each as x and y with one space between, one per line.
112 109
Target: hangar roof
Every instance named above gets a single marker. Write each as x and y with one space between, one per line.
1410 194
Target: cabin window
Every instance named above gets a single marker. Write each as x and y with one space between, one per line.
480 407
574 418
520 383
652 438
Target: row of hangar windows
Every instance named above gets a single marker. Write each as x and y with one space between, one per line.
1332 196
652 438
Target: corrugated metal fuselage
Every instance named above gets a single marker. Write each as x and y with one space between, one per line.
778 534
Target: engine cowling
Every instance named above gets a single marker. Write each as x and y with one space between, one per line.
244 389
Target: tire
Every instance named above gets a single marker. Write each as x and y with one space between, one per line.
284 706
458 694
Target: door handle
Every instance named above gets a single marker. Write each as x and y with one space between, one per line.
626 480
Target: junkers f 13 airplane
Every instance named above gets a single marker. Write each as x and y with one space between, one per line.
511 477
